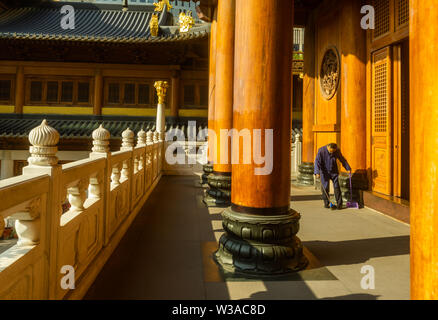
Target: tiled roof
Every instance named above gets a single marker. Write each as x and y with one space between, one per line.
77 128
93 23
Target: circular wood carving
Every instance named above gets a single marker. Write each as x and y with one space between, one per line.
329 73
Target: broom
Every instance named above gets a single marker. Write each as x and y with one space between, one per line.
332 206
352 204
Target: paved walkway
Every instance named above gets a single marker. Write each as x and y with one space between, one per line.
166 254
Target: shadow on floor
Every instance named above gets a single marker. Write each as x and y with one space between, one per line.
311 197
332 253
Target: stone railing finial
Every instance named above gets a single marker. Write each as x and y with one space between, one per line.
44 140
149 137
161 87
101 138
141 138
127 139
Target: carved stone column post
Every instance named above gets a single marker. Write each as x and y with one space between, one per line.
161 87
219 180
43 160
111 176
260 228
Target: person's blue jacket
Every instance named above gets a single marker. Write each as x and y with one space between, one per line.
325 163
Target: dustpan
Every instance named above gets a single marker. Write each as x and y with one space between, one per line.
352 204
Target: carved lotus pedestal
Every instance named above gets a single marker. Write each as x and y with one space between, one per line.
208 169
219 191
305 174
261 245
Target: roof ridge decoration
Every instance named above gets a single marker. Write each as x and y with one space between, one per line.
159 7
186 21
153 25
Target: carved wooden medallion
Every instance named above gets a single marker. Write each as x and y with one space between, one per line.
329 73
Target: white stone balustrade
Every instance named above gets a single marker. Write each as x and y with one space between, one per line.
105 193
296 151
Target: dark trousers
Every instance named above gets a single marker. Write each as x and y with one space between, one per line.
325 183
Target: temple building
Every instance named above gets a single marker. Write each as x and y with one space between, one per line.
101 67
352 72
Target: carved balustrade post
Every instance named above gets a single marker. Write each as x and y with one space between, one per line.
40 224
100 187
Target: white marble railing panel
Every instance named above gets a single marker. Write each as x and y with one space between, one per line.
24 266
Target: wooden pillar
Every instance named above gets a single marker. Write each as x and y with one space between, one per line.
174 105
212 85
424 149
260 227
224 82
208 168
353 99
19 90
98 92
306 168
220 180
353 84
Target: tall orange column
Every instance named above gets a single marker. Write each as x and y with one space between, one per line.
424 149
353 100
208 168
220 180
174 105
19 90
260 227
306 168
98 92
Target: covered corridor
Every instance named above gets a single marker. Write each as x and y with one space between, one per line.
167 252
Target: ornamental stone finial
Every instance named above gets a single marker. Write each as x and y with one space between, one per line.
127 139
149 137
101 138
161 87
141 138
43 139
153 25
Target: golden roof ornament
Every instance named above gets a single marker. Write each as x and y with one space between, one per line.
153 25
161 87
159 7
186 21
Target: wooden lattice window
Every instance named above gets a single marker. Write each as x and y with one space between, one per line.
382 18
36 91
67 91
58 91
6 90
381 87
380 98
194 94
83 92
402 12
130 93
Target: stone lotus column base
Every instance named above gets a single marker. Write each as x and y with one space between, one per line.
261 245
359 183
208 169
219 191
305 173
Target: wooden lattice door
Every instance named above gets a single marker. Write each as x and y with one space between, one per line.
381 140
